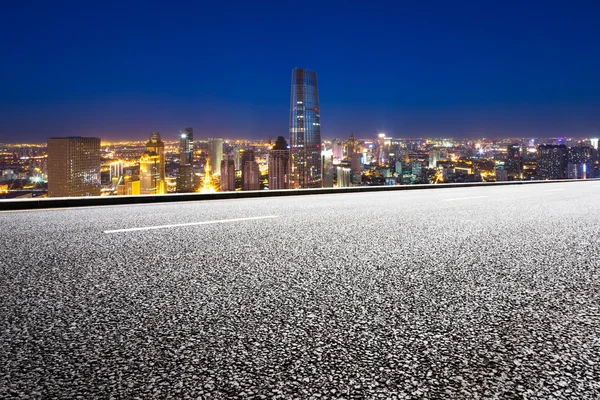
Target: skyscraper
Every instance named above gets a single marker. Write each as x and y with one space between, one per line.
227 175
279 161
186 146
152 167
73 166
305 131
215 154
514 162
551 161
185 172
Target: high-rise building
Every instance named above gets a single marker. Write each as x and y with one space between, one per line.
351 146
185 172
73 166
594 143
343 177
514 162
186 146
551 161
305 131
227 175
279 165
152 167
250 176
215 154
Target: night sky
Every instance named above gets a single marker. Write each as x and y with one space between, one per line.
120 70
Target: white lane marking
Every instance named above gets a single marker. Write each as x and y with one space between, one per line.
554 190
466 198
219 221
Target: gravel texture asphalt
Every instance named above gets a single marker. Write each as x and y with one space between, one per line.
489 292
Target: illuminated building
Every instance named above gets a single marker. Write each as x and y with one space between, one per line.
551 161
227 175
251 176
185 172
152 167
215 153
186 146
355 163
594 142
185 178
343 177
73 166
338 151
245 156
514 162
305 131
351 146
279 165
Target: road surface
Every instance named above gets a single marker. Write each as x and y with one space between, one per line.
487 292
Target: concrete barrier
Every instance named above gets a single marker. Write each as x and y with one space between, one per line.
65 202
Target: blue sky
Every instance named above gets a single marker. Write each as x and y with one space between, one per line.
434 68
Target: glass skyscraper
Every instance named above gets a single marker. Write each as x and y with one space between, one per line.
305 131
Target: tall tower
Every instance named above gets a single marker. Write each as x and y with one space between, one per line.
215 153
305 131
73 166
186 146
185 172
279 165
152 167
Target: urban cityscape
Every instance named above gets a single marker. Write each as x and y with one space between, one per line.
182 163
286 200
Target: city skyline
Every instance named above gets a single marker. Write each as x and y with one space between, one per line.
462 71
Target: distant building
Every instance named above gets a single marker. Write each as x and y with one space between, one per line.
343 177
152 167
514 162
245 156
305 131
185 178
186 146
355 163
501 174
279 165
185 172
73 166
215 154
551 161
594 143
351 146
227 175
250 176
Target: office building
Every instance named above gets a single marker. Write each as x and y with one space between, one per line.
227 175
185 172
186 147
343 177
215 155
551 161
250 171
73 166
152 167
279 165
305 131
514 162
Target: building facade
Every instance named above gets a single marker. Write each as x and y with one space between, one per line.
551 162
152 167
215 154
279 165
305 131
73 166
227 175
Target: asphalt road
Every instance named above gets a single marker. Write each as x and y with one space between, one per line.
490 292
